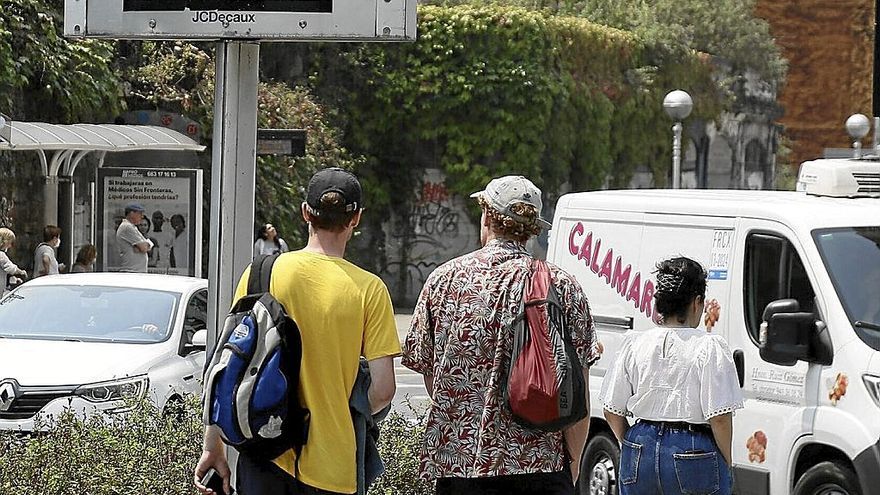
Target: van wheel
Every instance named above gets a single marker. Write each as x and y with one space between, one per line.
828 478
599 466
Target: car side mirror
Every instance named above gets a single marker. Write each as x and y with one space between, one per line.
199 340
788 336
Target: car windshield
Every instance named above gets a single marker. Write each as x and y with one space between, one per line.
87 313
852 257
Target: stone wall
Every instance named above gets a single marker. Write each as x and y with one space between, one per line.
829 46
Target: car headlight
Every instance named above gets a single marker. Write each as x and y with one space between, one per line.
872 383
127 388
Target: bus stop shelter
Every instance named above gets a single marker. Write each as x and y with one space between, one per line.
62 147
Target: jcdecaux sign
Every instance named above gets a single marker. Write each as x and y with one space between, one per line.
271 20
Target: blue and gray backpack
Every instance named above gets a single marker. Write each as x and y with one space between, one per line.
252 380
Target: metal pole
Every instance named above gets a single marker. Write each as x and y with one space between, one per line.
676 156
876 79
50 201
233 173
876 144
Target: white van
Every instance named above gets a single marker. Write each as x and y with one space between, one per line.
807 263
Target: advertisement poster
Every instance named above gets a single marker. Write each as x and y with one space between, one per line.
172 200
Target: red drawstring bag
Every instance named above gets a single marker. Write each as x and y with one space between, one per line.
545 386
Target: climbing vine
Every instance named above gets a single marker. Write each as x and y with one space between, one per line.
488 90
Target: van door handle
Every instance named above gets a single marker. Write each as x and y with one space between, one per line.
739 360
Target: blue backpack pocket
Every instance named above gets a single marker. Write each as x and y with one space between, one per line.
269 399
237 354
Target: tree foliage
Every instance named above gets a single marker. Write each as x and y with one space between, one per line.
46 76
727 29
489 90
179 76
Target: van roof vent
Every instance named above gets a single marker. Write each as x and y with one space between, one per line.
841 178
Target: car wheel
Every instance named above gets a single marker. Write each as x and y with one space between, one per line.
599 466
828 478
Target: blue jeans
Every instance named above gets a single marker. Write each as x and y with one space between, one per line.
656 459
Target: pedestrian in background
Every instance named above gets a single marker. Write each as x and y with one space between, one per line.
681 385
133 246
268 241
344 313
12 274
459 340
85 259
45 261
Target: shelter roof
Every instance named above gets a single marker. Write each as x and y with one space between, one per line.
92 137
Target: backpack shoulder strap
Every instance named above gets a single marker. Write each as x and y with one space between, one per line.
539 280
261 274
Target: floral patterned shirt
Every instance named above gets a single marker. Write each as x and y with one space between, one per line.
459 336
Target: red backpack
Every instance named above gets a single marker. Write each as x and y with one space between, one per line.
545 386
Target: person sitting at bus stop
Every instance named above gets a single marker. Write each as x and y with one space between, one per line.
681 385
85 259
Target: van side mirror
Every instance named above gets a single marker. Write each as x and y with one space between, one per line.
788 336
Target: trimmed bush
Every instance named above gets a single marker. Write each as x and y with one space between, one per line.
143 452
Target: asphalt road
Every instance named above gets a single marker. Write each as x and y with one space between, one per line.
411 392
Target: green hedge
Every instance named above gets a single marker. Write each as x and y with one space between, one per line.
144 453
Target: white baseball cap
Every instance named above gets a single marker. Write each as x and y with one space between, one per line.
502 193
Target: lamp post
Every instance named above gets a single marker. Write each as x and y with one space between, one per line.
677 105
857 126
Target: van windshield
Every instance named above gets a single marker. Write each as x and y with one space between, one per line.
852 258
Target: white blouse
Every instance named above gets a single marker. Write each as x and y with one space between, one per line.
672 374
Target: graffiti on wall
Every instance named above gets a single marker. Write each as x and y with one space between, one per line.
435 229
433 216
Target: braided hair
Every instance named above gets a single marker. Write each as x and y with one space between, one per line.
679 281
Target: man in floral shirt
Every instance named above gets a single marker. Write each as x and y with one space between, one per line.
460 342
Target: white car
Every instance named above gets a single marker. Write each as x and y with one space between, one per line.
84 342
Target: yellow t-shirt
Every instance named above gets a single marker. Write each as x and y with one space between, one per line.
343 312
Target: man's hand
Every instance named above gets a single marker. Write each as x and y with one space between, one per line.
214 458
149 329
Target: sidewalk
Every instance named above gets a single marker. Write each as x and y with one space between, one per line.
410 385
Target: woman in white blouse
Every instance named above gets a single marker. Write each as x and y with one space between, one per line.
681 385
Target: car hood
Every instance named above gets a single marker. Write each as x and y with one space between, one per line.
49 362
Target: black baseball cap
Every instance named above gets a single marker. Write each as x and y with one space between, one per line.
334 179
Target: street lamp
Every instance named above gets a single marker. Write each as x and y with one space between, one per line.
677 105
857 126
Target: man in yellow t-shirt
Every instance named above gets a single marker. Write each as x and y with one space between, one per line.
343 313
